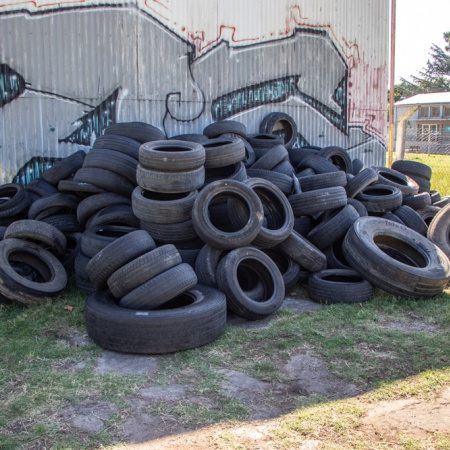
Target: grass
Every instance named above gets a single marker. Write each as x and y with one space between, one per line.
375 345
38 379
440 164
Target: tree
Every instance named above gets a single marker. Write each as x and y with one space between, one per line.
434 77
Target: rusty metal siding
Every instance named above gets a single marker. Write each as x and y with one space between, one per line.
68 70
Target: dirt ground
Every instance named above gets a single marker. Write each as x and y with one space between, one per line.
267 402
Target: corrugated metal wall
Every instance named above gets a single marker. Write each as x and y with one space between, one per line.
69 69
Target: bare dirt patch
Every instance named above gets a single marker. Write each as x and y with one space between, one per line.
387 420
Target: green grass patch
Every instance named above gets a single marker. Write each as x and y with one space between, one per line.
440 165
391 347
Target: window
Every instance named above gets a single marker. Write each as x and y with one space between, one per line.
447 111
424 111
435 111
428 132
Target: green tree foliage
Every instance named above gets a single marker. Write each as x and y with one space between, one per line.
434 77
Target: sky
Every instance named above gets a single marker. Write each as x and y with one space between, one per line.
419 24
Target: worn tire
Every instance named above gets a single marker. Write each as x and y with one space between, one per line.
339 286
195 318
51 277
251 262
439 230
280 124
395 258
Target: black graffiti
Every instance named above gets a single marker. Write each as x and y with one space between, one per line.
95 121
12 84
249 97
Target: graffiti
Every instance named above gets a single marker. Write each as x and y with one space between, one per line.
272 91
177 84
94 122
33 168
12 84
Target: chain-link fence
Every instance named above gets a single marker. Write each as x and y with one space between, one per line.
431 146
428 141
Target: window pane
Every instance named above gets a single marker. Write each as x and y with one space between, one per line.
435 111
423 112
447 111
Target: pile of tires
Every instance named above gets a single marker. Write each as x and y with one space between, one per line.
167 235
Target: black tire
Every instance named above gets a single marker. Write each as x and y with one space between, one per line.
428 213
53 204
280 124
283 182
411 219
303 252
114 215
221 191
79 188
105 179
360 181
216 129
67 223
116 254
317 163
409 167
303 224
250 262
322 181
170 182
49 280
171 155
339 286
335 255
358 165
195 318
193 137
250 156
206 264
143 268
118 143
157 207
167 233
395 258
290 270
380 198
319 200
161 288
423 183
271 158
64 168
418 201
278 217
112 160
264 141
362 210
48 236
222 152
339 157
40 187
80 264
444 201
439 230
397 179
334 227
297 154
235 172
97 238
11 195
16 204
94 203
139 131
435 196
72 249
285 167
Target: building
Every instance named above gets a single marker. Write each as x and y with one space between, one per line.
70 69
425 123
